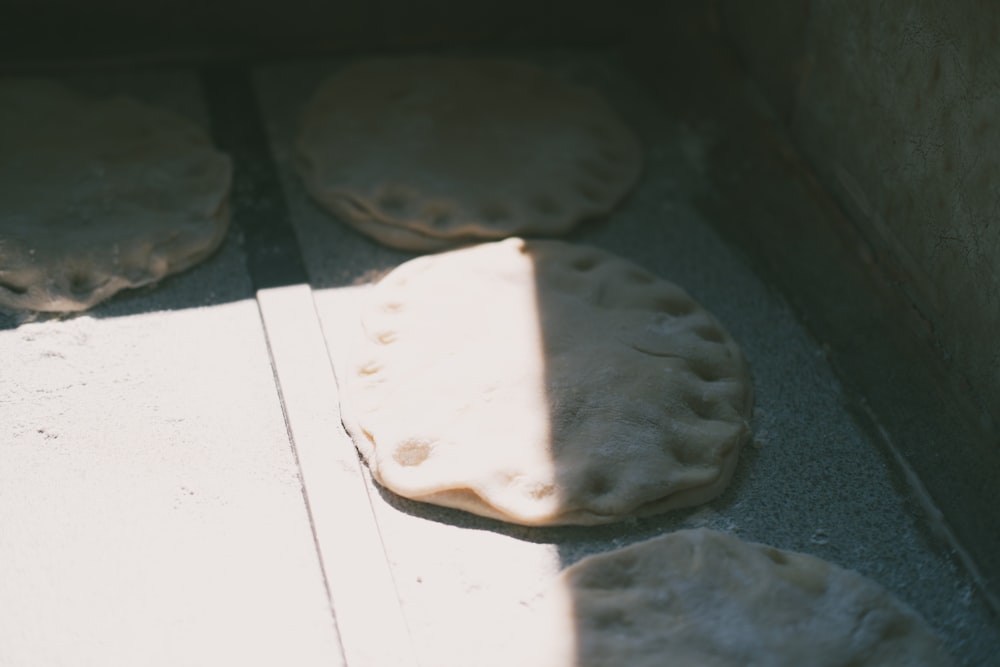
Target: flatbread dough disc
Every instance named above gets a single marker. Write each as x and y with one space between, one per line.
97 195
541 383
699 598
427 153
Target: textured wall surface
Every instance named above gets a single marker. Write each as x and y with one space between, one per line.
897 106
894 111
899 109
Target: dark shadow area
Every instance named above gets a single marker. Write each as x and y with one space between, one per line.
850 297
259 209
194 32
9 321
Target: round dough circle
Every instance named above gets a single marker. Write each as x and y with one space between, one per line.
100 195
428 153
706 599
543 383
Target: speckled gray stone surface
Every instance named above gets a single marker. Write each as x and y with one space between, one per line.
812 480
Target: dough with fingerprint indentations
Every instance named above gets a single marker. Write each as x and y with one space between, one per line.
543 383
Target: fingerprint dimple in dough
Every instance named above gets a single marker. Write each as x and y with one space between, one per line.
386 337
700 407
639 277
776 556
440 217
542 490
709 334
81 282
598 484
703 370
411 453
674 306
687 455
11 287
369 369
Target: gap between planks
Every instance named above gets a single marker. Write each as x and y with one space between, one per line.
373 631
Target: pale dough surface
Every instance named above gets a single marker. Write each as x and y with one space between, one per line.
97 195
700 598
428 153
544 383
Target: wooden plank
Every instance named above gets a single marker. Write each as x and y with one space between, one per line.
359 581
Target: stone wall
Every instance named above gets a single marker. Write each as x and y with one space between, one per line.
896 105
894 109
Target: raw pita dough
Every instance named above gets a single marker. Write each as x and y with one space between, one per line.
426 153
544 383
698 598
100 195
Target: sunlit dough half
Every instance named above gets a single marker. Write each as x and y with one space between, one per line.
542 383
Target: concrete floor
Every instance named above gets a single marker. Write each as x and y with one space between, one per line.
176 489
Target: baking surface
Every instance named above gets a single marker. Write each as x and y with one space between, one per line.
812 481
116 478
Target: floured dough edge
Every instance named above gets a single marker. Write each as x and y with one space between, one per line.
375 226
50 295
394 233
469 501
